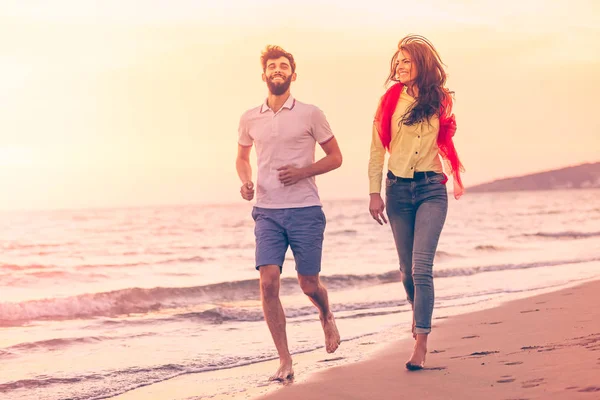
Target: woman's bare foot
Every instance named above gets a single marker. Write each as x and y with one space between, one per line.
284 372
332 336
417 360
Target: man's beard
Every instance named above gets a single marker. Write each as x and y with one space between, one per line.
279 88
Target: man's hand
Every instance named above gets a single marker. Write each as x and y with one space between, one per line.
247 191
289 175
376 208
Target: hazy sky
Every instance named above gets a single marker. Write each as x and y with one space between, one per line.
137 102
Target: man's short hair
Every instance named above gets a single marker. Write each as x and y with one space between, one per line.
274 52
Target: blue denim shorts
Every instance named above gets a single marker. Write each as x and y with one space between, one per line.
301 229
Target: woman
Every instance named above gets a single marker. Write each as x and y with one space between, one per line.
415 124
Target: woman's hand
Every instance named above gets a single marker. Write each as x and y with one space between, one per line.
377 207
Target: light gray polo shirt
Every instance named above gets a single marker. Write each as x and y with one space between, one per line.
287 137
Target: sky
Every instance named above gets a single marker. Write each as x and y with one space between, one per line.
134 103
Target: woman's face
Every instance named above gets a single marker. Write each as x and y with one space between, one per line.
406 71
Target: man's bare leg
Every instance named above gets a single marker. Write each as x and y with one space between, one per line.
275 317
317 293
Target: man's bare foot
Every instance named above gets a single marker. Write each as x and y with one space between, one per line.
417 360
285 371
332 336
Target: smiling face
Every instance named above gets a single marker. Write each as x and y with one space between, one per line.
406 70
278 75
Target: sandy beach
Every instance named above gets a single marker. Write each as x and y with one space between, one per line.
542 347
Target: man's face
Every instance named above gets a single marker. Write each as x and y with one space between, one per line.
278 75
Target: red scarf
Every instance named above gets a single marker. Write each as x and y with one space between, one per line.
383 122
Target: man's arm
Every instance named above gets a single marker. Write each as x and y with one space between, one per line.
289 175
244 170
242 163
331 161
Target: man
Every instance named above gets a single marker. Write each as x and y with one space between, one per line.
288 210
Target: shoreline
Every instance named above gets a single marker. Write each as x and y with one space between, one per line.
315 366
540 347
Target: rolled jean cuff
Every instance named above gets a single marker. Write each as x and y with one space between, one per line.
422 330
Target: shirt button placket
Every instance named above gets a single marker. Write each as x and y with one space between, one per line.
274 126
417 152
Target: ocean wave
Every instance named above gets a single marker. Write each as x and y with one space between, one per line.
167 261
108 384
24 246
348 310
6 354
142 301
122 302
111 383
15 267
55 344
489 247
29 384
61 343
219 315
449 273
50 274
343 232
549 212
563 235
179 260
445 254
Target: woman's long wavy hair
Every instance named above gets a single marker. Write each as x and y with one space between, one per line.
430 80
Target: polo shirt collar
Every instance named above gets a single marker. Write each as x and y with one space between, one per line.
289 104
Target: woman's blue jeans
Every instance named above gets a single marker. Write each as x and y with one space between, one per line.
416 210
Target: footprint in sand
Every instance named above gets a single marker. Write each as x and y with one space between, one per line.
332 359
590 389
530 347
547 349
483 353
437 351
470 337
528 311
514 363
434 368
532 383
506 380
477 354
